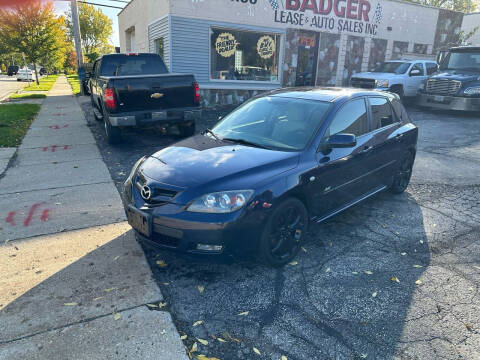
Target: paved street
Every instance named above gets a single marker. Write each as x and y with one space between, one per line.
396 277
9 84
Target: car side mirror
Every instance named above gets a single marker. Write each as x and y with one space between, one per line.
415 72
341 141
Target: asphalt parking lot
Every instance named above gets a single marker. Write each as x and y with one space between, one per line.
396 277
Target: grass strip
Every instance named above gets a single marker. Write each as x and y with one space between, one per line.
15 119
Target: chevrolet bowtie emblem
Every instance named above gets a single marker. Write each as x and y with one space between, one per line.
156 95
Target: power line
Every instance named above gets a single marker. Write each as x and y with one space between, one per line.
91 3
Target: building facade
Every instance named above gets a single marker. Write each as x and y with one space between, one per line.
237 48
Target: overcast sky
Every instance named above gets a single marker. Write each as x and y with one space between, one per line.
63 6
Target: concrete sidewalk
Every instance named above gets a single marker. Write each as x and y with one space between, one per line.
74 282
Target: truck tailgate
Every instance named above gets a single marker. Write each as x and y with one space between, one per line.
153 92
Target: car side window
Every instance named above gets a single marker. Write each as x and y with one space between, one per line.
418 66
431 68
350 119
382 114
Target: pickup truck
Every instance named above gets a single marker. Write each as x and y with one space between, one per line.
456 86
402 77
136 90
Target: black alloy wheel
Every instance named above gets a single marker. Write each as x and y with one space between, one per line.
284 232
403 175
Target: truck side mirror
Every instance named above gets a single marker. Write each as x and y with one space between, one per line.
415 72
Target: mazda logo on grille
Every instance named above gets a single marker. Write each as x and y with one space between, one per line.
146 192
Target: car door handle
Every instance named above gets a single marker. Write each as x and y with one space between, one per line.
367 149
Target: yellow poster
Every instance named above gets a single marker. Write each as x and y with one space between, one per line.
266 47
226 44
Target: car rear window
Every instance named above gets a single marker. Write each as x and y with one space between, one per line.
125 65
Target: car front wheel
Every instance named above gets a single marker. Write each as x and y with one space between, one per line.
283 234
403 175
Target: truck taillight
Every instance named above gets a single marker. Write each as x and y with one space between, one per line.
196 94
109 97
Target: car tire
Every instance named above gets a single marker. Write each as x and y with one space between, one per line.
402 178
186 130
399 91
283 233
113 133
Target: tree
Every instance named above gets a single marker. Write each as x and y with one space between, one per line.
457 5
95 29
32 29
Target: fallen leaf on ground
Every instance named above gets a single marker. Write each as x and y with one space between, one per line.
256 351
283 357
201 288
374 294
328 270
418 282
476 267
471 288
394 278
161 263
194 347
421 241
355 272
71 304
221 340
368 272
403 254
417 266
183 337
199 322
243 313
303 249
468 326
109 289
293 262
117 316
384 226
330 244
98 298
165 283
162 304
116 258
202 341
152 306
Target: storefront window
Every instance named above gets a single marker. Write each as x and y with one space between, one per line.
159 46
244 55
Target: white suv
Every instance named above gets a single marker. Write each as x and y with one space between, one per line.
26 74
402 77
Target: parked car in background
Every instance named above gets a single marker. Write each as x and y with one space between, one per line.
26 75
255 181
129 90
402 77
456 86
42 71
12 70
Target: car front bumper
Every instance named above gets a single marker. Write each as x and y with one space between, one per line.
145 118
175 229
449 102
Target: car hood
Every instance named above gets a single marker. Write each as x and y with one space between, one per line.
203 162
461 75
374 75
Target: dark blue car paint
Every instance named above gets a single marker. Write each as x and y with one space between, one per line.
326 181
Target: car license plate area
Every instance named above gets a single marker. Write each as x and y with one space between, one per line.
439 98
159 115
139 221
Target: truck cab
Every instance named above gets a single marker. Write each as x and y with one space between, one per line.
456 85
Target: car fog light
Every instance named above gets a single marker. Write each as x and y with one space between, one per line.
206 247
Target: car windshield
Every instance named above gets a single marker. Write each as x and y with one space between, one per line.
462 61
392 67
275 123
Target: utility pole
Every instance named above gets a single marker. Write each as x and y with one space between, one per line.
78 39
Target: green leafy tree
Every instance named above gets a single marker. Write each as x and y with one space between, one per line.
32 29
95 28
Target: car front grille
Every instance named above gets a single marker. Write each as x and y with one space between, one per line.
159 195
443 86
363 83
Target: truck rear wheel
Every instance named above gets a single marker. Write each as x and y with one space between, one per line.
186 130
114 134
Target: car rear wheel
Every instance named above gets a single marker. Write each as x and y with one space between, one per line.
399 91
186 130
114 135
403 175
283 234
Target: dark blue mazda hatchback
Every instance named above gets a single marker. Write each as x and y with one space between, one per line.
281 160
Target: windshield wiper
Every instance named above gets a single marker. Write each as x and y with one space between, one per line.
245 142
209 131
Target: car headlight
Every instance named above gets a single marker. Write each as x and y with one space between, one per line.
474 90
221 202
135 167
382 83
127 185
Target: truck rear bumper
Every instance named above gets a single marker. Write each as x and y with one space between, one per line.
449 102
145 118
